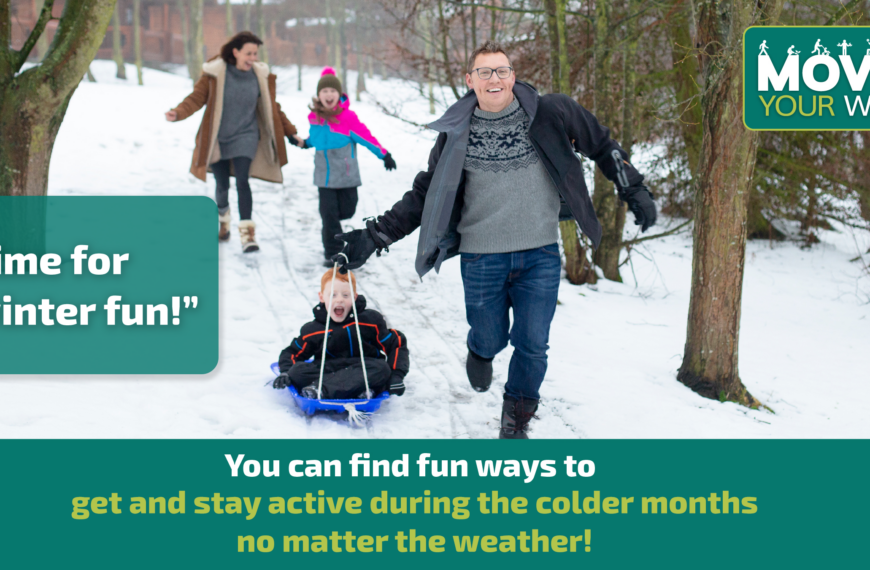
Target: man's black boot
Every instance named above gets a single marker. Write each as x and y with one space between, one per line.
515 417
479 371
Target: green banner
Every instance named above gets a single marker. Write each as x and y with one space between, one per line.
108 285
806 78
277 504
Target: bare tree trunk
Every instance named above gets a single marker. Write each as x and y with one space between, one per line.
229 18
360 38
465 37
553 34
33 103
608 208
117 50
248 16
300 49
862 174
330 31
629 77
564 67
197 57
342 39
185 35
443 32
91 78
425 23
42 42
473 25
137 38
493 24
577 267
686 88
727 160
261 31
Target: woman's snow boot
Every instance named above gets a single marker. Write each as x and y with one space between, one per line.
515 417
246 231
224 230
479 371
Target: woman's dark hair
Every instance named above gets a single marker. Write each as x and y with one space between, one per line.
237 42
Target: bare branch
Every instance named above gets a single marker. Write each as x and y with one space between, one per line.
5 36
44 17
844 10
656 236
518 10
390 112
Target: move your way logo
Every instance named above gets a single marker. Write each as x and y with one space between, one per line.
806 78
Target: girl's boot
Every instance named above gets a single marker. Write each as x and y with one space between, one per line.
246 231
224 230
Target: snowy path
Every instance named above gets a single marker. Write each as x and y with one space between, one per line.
614 348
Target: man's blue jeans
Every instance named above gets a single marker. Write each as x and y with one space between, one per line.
528 282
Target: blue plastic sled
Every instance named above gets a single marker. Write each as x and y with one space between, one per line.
310 406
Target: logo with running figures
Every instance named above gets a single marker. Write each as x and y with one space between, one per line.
792 80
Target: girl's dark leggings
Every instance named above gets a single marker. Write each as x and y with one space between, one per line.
336 204
241 168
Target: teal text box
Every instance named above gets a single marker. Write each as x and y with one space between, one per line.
804 108
808 496
142 250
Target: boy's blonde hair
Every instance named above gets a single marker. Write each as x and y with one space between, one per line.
348 277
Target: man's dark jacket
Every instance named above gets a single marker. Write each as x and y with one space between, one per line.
559 127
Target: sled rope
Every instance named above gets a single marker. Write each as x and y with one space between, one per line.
326 334
358 334
354 416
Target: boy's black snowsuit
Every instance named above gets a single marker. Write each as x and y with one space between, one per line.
385 350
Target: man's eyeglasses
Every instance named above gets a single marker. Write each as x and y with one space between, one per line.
486 72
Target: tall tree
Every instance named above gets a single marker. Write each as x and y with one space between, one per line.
197 45
629 76
577 267
493 26
229 17
610 210
42 42
473 24
725 170
678 19
444 33
330 31
33 103
137 38
247 21
261 30
359 36
185 35
428 39
300 48
342 41
117 48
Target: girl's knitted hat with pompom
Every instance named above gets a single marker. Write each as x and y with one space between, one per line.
328 79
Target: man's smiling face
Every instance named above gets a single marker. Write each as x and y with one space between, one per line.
495 93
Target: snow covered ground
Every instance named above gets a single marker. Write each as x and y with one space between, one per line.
615 348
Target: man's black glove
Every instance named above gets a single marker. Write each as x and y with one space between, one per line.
282 381
359 246
640 202
397 385
389 163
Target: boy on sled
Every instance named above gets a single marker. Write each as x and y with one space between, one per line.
385 350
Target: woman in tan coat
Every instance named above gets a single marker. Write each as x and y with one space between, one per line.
242 132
